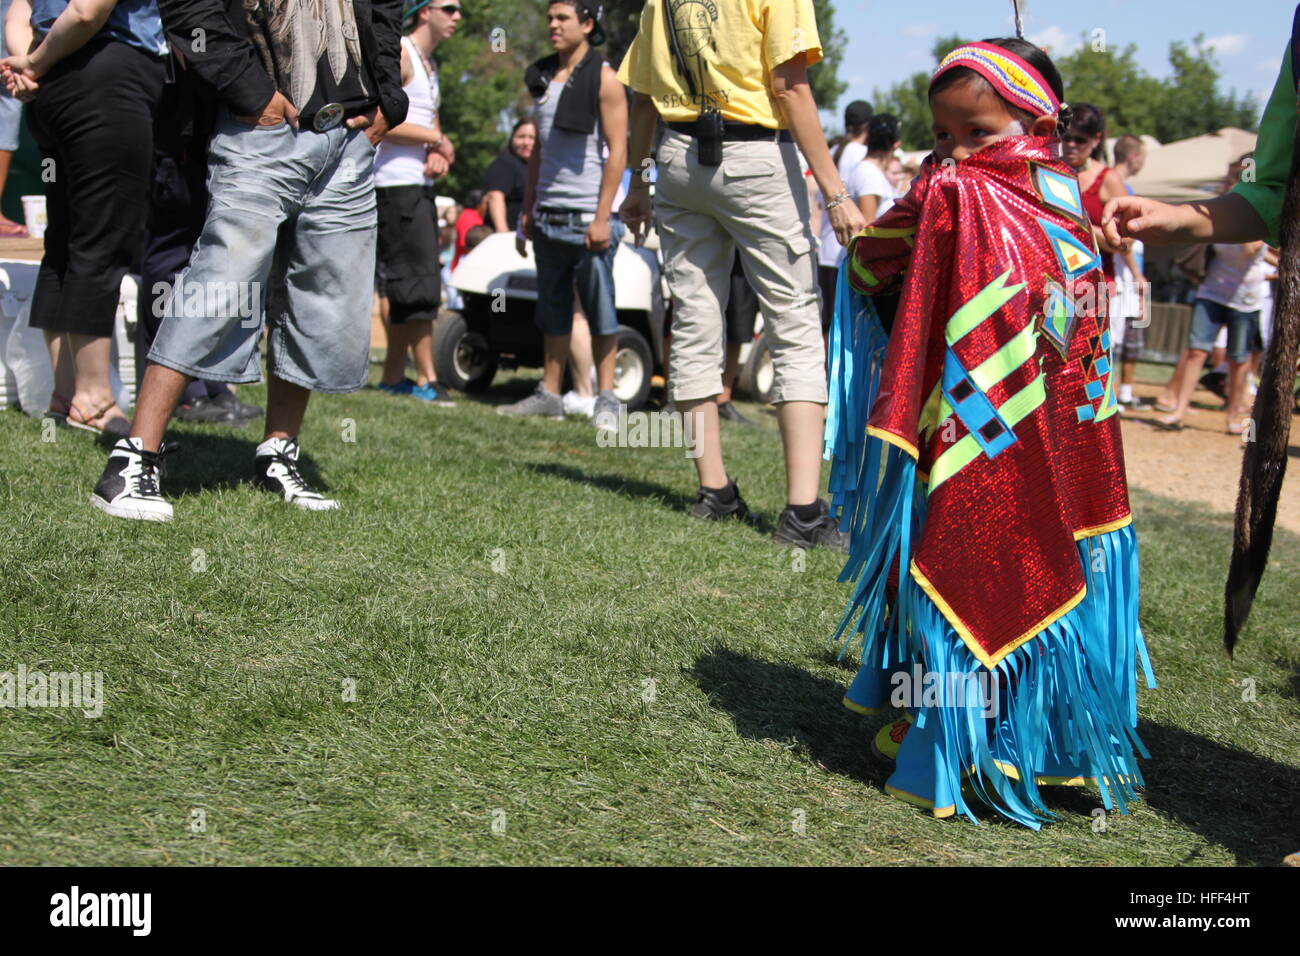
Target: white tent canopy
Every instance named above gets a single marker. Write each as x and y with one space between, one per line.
1191 168
1175 172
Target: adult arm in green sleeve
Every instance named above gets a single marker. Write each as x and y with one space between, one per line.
1273 153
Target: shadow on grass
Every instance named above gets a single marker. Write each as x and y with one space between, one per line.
771 701
1239 800
619 484
1235 799
211 460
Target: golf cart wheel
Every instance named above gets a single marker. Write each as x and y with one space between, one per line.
633 367
758 378
461 355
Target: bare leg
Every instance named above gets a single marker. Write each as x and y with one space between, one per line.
286 404
1174 387
1238 405
581 358
701 417
65 376
6 158
420 335
1187 385
605 350
91 357
399 340
160 391
801 434
729 371
555 352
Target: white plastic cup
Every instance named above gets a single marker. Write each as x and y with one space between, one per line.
34 215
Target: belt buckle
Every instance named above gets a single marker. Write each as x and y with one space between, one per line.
327 117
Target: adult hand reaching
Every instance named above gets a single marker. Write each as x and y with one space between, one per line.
635 213
847 221
1126 218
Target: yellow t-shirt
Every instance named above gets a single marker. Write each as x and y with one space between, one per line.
730 46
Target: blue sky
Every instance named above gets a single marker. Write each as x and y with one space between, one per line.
889 41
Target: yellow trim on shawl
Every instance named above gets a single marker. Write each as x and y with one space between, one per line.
991 660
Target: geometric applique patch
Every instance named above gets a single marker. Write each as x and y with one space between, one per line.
973 408
1060 192
1098 384
1073 256
1058 316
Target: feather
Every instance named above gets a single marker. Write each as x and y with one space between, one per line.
1263 466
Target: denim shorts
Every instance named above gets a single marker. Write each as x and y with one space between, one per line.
563 261
1208 317
289 242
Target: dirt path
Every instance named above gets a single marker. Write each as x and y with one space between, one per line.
1201 463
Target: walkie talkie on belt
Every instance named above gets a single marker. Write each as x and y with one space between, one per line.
709 125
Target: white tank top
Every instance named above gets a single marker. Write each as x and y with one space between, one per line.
401 164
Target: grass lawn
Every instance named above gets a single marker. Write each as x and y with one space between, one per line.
552 664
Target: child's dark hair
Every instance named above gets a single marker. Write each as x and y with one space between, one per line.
882 133
476 234
1032 55
1088 120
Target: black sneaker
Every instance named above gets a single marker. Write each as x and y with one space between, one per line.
710 506
128 488
228 400
823 531
276 470
206 411
730 413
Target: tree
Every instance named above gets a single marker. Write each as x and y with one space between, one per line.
482 72
481 69
1186 104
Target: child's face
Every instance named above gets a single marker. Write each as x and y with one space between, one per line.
967 117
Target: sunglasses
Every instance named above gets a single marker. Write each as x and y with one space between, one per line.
451 9
1076 140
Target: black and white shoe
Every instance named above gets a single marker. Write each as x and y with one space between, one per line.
276 470
129 486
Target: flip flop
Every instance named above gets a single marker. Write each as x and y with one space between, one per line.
1165 426
1161 407
87 422
13 230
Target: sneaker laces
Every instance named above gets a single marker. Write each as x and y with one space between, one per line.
293 478
151 470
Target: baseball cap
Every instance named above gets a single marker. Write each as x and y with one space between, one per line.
858 113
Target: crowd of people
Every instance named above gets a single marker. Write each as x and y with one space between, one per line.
971 307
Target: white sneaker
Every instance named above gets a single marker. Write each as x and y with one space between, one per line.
128 488
575 404
276 470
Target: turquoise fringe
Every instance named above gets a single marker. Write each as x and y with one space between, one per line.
1066 705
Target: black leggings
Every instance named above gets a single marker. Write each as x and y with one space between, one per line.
93 121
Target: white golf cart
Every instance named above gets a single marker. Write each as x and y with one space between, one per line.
495 328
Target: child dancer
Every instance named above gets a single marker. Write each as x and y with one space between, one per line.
995 563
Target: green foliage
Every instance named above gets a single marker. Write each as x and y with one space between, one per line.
1186 104
482 73
481 69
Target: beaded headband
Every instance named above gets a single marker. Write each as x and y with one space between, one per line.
1014 79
